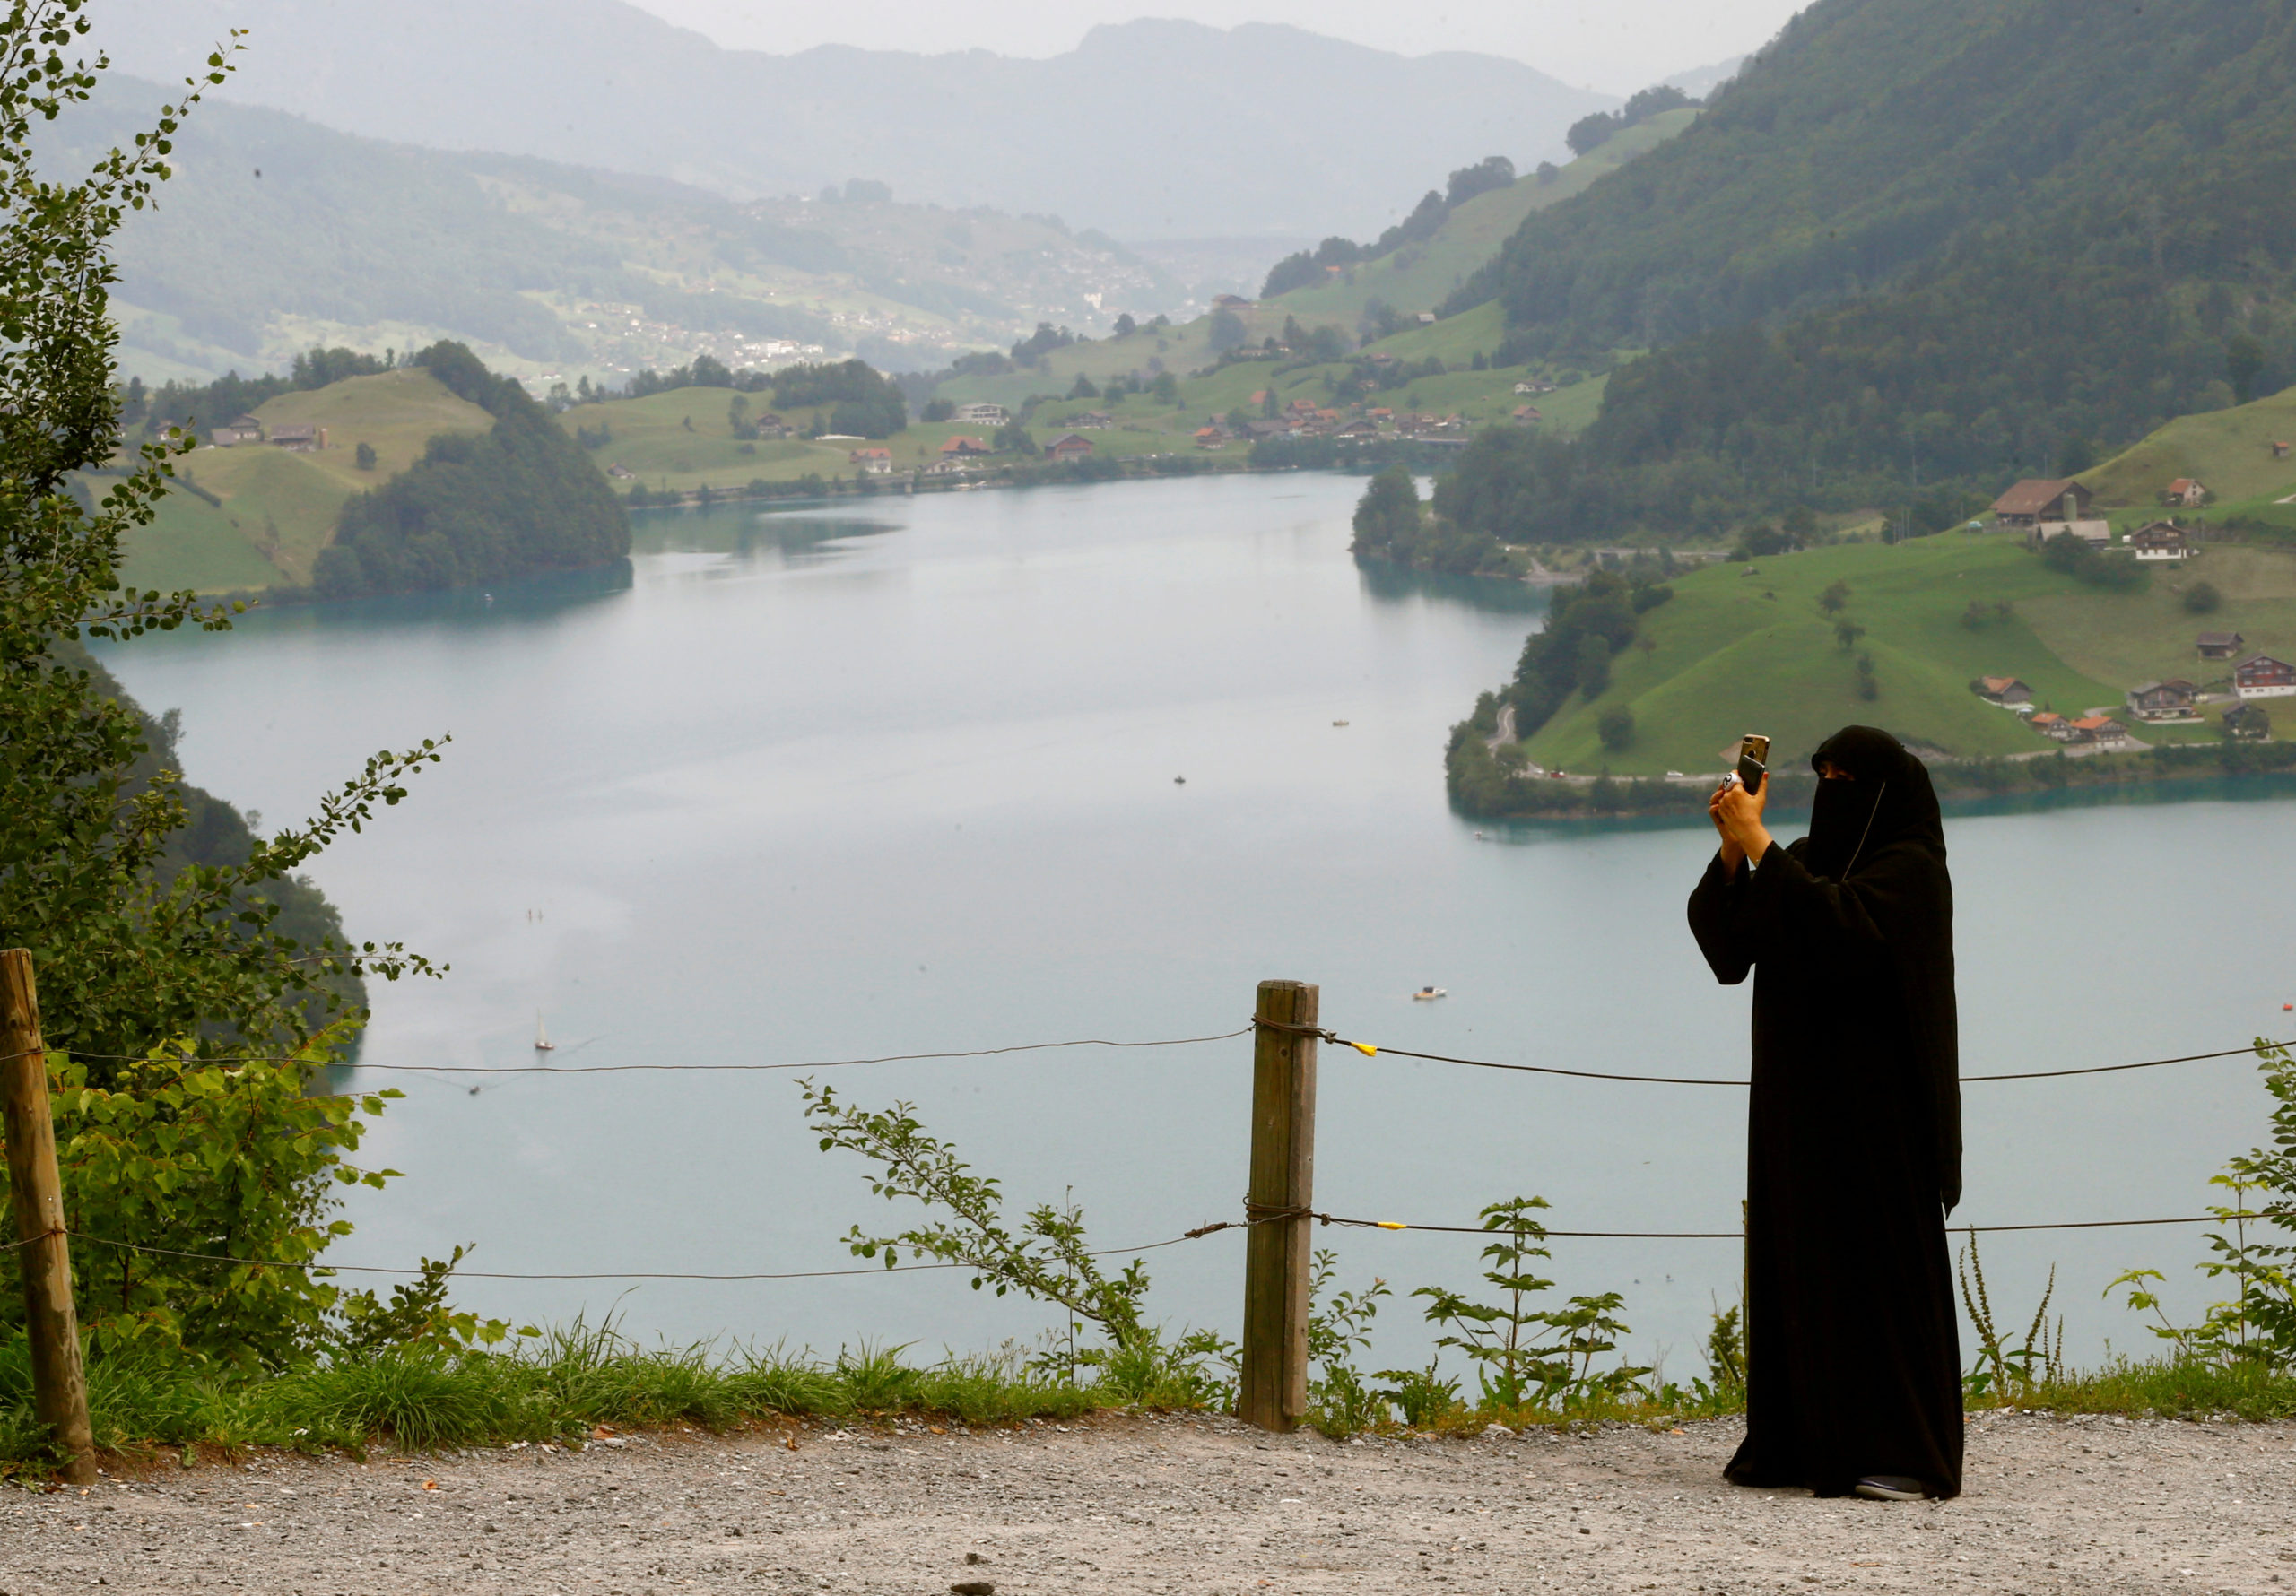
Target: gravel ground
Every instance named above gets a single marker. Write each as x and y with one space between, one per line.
1179 1504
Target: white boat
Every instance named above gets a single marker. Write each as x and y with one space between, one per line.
543 1043
1428 995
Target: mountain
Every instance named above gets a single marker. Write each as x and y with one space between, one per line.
1917 248
1149 129
276 235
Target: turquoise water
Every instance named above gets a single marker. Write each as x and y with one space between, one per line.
899 776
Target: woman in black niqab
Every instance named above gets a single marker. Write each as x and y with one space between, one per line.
1854 1148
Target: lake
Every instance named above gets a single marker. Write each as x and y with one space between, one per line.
898 775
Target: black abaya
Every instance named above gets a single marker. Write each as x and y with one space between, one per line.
1854 1132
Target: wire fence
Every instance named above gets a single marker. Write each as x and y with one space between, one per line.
1367 1049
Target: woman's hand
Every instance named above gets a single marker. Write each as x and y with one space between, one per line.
1737 815
1732 854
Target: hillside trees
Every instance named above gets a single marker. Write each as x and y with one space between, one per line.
153 955
863 403
2053 223
522 498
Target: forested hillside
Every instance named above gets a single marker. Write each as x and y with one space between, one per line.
1919 248
523 497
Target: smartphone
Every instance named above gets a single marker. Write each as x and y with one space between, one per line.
1753 761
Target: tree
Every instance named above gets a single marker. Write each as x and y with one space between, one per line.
1012 438
364 455
1868 688
136 961
1227 332
1126 326
1387 517
1615 727
1836 596
1846 633
1166 388
1547 172
2243 361
1083 389
2202 598
1594 674
938 410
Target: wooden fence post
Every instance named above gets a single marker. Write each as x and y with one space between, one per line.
36 1195
1273 1388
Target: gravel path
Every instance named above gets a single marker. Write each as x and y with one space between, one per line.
1175 1505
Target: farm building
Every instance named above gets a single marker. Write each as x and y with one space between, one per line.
2184 493
2219 645
2174 699
2042 498
2004 690
1071 446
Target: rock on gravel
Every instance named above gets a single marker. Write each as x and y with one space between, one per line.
1189 1505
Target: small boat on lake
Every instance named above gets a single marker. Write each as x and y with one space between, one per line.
543 1043
1428 995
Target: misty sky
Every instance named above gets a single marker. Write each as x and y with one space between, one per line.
1618 46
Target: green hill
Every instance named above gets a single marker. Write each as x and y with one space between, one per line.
277 510
1423 275
1932 242
2229 450
1742 649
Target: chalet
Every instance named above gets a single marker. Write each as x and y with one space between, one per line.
2280 451
2173 699
2042 498
2261 676
1427 318
1357 430
2049 723
301 438
1534 386
960 446
981 413
2097 729
223 435
2219 645
1528 416
770 425
2162 540
1274 427
947 465
1093 419
1302 407
2004 690
2184 493
1210 438
620 472
1231 302
1070 446
875 463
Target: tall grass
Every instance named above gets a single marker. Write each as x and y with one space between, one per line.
558 1388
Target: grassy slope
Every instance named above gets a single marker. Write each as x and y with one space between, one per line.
2228 449
279 509
1419 276
1730 659
651 437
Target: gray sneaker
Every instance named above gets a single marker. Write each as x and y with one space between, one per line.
1892 1488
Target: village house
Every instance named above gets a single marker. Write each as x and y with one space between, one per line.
2261 676
981 413
1091 419
1528 416
947 465
243 430
2042 498
1231 302
2162 540
2184 493
1069 446
301 438
961 445
2099 729
2004 690
770 425
2280 451
1210 438
1357 430
2173 699
1534 386
875 463
2219 645
2049 723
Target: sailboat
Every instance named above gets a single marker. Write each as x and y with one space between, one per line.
543 1043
